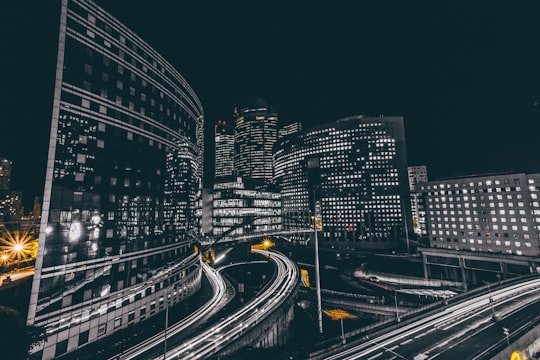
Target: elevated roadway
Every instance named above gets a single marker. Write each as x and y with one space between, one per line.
442 333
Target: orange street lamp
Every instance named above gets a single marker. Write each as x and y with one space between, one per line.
339 314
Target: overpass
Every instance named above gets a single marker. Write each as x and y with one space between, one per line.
263 322
471 310
253 235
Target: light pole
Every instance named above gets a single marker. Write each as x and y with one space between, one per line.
491 302
166 324
343 340
314 179
397 312
317 268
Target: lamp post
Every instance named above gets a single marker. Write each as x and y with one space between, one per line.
339 314
314 179
491 302
166 324
397 311
317 266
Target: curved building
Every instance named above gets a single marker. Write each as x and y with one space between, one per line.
255 134
361 182
121 204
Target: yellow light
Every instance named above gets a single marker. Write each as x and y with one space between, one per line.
337 314
17 244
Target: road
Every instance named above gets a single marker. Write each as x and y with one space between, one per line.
218 300
441 333
211 341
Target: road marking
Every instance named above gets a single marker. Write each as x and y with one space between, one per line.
375 356
406 342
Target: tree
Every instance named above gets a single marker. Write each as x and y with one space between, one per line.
16 338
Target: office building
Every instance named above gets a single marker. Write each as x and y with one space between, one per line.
5 174
224 147
417 174
255 135
241 200
122 193
364 197
11 206
289 129
481 227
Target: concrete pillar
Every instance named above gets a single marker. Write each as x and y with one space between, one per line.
424 263
463 273
504 270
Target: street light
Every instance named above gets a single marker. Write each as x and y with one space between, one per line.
491 303
397 312
340 314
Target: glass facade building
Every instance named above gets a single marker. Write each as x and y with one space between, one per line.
364 195
237 201
255 135
122 197
224 143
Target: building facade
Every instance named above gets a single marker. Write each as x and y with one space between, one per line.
255 135
11 206
224 147
289 129
481 226
417 174
5 174
364 197
241 200
121 203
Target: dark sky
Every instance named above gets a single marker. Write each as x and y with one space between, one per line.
465 75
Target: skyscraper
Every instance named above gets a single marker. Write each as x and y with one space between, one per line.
364 195
255 135
123 185
224 147
5 174
288 129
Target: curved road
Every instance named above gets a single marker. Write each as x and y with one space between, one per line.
211 341
469 315
218 300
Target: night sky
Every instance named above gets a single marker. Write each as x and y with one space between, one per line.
465 75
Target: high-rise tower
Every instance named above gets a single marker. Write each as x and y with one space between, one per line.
122 189
364 193
5 174
224 143
255 135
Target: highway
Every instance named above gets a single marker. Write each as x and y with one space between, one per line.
216 338
435 336
218 300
